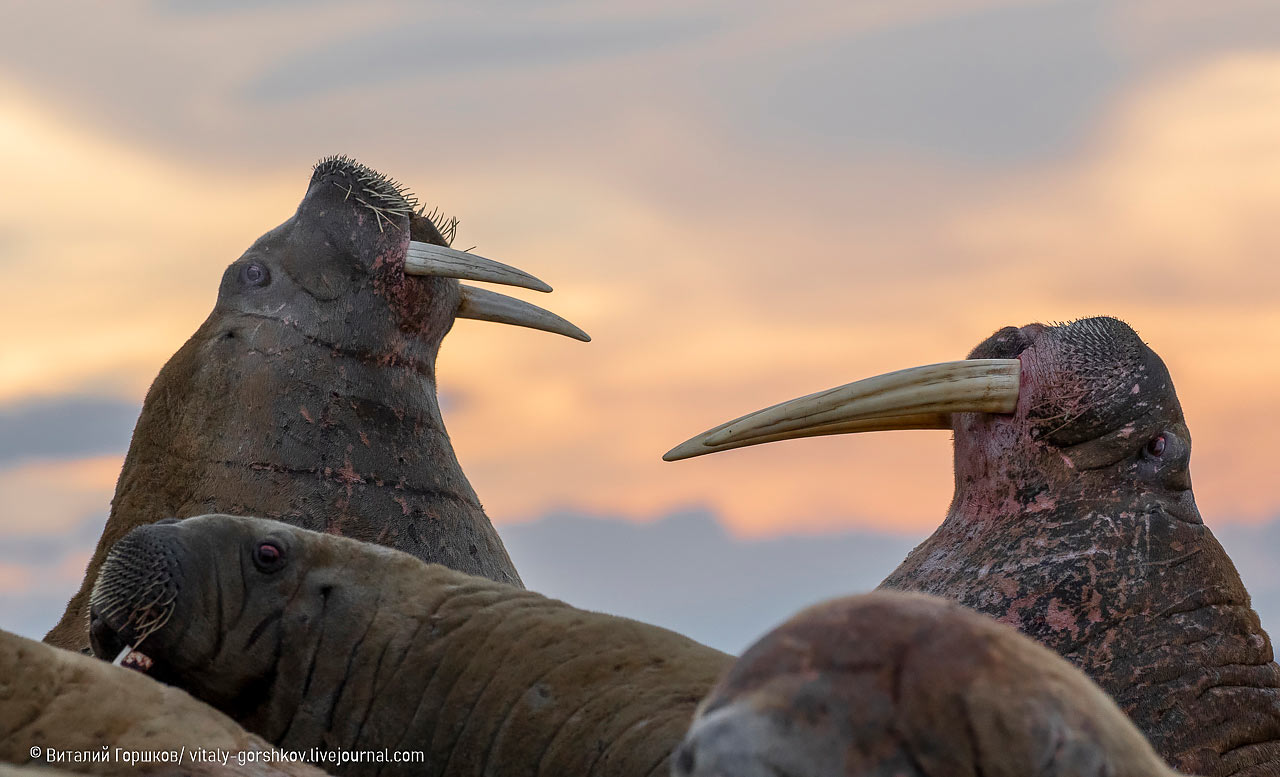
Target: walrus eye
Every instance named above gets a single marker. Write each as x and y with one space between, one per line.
254 274
268 556
1156 447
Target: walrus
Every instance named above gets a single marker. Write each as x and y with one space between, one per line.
907 685
1074 520
311 640
68 711
309 393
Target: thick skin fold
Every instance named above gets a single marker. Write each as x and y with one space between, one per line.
357 646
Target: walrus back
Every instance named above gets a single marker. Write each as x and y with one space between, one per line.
499 680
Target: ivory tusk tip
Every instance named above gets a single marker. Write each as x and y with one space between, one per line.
680 453
485 305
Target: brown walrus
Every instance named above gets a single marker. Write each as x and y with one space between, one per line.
314 640
74 712
1074 520
907 685
309 394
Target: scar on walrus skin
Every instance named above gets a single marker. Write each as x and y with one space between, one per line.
907 685
314 640
309 394
1073 519
56 700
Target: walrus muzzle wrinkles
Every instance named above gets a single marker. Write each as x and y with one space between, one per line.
352 645
309 394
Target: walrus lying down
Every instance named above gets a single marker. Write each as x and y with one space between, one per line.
1074 520
310 639
309 394
908 685
59 700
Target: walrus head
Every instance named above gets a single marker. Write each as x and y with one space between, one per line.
309 393
1073 519
207 603
906 684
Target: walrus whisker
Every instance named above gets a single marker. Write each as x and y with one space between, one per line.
124 651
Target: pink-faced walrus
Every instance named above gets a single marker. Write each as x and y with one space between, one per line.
314 640
1074 520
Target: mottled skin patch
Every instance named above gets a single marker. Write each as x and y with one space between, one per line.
353 645
309 396
1074 520
908 685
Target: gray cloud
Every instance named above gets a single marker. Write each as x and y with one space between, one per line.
686 573
998 84
65 427
683 572
427 48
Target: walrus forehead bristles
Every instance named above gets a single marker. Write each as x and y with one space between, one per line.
381 193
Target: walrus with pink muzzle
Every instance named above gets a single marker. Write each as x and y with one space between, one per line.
1073 519
309 394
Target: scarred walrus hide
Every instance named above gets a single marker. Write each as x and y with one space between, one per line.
1073 519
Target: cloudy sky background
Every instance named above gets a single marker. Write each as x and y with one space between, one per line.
741 201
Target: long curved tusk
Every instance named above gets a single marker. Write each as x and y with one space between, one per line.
485 305
431 259
916 398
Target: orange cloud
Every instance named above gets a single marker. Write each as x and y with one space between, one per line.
53 497
798 274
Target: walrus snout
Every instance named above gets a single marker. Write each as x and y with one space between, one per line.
136 591
738 740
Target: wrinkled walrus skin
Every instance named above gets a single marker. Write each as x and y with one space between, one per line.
908 685
309 396
1074 520
322 641
51 698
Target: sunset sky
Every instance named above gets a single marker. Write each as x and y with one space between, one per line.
741 201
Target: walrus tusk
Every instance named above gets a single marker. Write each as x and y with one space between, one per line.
484 305
124 651
432 259
915 398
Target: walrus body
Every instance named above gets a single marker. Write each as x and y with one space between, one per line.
324 641
907 685
309 394
1074 520
85 709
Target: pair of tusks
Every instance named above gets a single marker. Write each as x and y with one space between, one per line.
483 305
916 398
